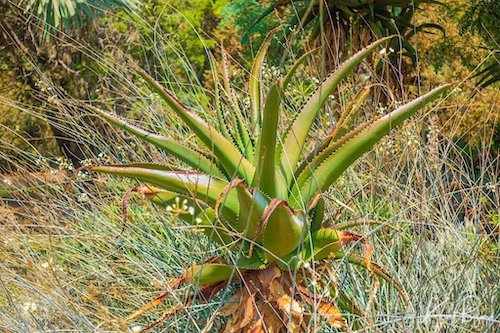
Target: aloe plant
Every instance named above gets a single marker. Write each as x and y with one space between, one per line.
253 190
354 21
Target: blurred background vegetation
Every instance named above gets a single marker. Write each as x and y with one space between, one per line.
38 46
432 187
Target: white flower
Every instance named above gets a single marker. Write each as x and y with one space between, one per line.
30 307
191 210
383 51
136 328
169 208
84 197
198 220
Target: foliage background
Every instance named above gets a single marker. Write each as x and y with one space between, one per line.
433 186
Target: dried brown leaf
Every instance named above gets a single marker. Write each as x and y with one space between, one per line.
332 315
290 306
248 312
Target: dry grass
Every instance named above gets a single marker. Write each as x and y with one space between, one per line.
429 210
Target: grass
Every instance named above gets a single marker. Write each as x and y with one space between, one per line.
65 267
429 210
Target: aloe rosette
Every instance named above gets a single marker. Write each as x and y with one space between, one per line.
252 189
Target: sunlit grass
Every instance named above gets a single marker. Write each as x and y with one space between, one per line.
67 262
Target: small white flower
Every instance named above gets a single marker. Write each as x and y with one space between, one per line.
198 220
136 328
191 210
84 197
307 265
169 208
383 51
30 307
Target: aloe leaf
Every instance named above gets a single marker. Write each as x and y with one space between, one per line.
318 215
255 79
326 242
217 99
304 171
254 262
252 206
191 157
336 163
348 117
155 166
228 155
241 134
204 274
283 231
158 196
297 136
342 127
196 185
296 65
264 177
319 245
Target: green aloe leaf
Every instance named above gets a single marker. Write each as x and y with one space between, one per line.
204 274
296 65
226 153
264 177
318 245
318 214
326 242
283 231
348 117
253 263
190 184
298 133
255 81
191 157
337 162
342 128
222 122
240 132
252 206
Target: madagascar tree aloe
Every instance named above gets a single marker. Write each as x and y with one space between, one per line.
252 189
